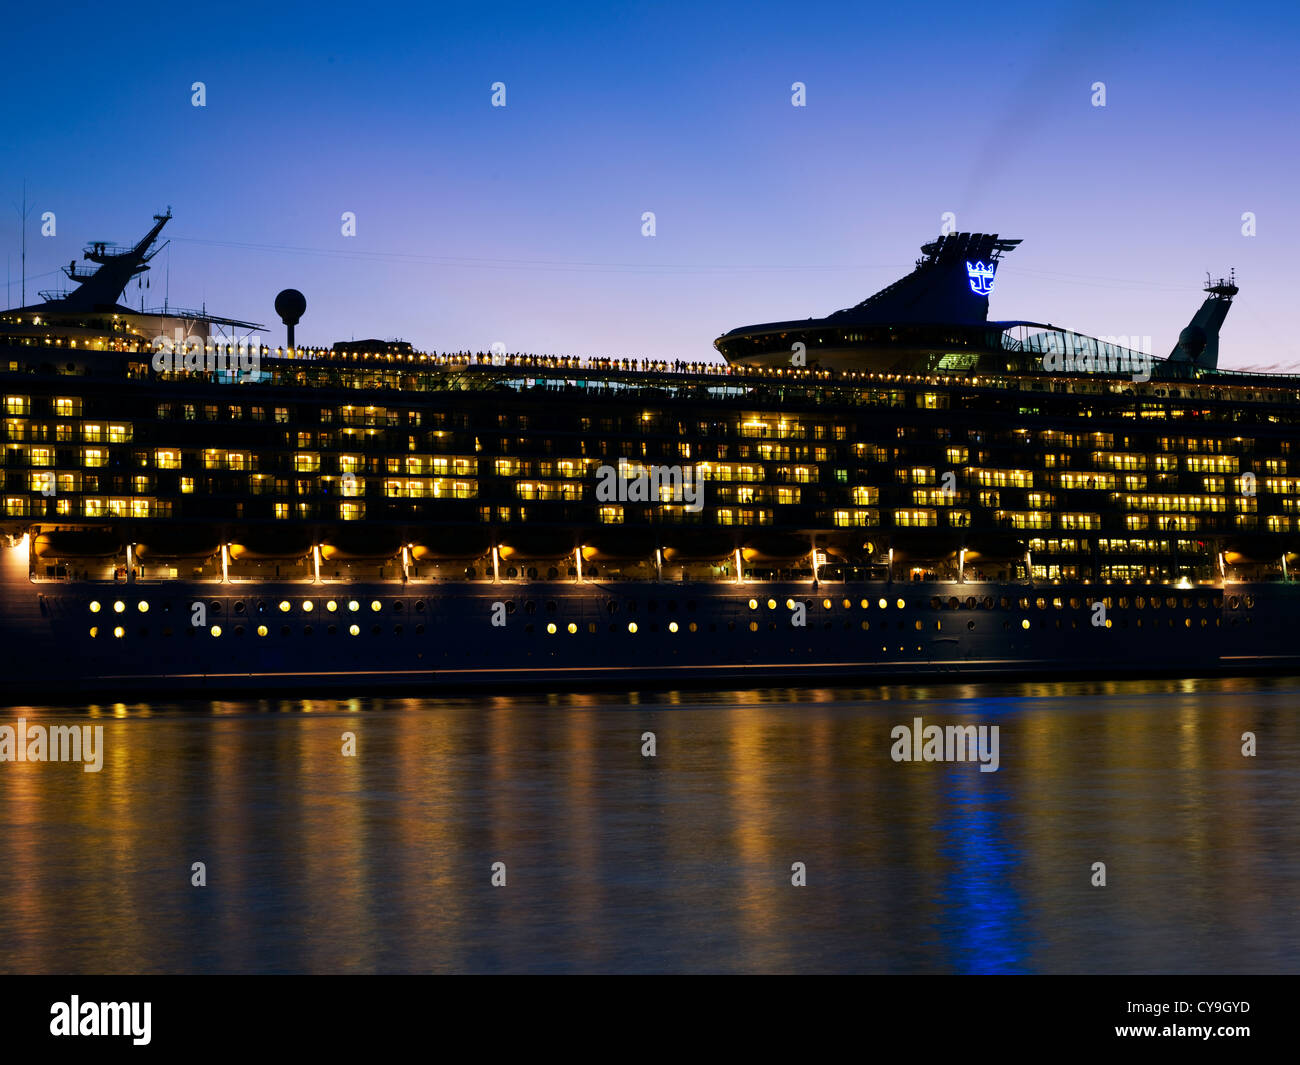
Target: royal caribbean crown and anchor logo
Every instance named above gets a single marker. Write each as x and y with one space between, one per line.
981 277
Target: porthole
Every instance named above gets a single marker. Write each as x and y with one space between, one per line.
550 628
572 628
376 606
215 630
262 630
94 608
354 630
631 626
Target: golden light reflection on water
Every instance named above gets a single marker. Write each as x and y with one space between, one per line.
320 862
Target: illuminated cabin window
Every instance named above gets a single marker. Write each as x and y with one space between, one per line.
18 405
119 632
846 518
262 630
281 509
119 434
352 511
865 495
215 630
354 630
93 456
167 460
915 518
306 462
1004 478
1276 485
92 433
611 515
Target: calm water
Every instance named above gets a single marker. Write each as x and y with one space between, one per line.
614 861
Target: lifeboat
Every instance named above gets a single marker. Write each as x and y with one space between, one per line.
993 545
536 544
1257 549
776 548
924 543
165 543
452 543
349 544
78 543
698 546
615 545
271 544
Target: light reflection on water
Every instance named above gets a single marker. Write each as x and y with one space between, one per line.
616 862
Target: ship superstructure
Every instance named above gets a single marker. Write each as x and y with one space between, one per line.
926 491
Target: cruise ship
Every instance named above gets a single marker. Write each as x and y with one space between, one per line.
900 489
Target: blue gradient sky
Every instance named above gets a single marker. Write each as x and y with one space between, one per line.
522 225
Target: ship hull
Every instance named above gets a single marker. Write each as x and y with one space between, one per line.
72 637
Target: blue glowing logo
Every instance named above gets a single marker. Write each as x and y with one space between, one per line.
981 278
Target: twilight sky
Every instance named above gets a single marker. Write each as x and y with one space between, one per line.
522 225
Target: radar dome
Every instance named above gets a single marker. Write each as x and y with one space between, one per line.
289 305
1192 340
